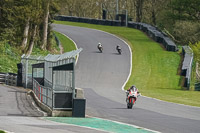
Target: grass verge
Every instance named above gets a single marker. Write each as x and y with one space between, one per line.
154 70
66 43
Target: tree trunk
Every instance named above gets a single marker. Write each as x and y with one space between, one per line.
25 35
45 26
32 41
139 9
153 17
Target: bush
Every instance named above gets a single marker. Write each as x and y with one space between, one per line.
187 31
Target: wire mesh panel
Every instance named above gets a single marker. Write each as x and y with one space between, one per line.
27 62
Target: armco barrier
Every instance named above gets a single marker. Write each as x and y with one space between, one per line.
2 78
187 65
155 34
8 79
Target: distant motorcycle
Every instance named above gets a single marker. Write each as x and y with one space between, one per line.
119 50
132 95
100 47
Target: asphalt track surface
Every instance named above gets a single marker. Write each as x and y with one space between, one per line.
102 76
19 115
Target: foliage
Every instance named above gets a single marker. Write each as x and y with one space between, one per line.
20 17
196 50
185 9
9 58
185 16
186 31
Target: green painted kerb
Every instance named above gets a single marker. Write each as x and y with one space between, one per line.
98 123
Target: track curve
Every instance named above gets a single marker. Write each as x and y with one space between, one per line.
102 75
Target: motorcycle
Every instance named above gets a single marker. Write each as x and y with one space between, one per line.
100 49
119 51
131 98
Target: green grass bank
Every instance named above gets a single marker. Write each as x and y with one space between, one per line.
66 43
154 70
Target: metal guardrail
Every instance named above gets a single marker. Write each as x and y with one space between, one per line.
44 94
187 65
2 78
8 79
11 80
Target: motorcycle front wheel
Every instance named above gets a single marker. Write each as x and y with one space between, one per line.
130 104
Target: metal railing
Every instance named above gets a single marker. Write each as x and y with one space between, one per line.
44 94
187 65
11 80
8 79
2 78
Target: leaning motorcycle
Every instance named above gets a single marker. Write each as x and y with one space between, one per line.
131 98
119 51
100 49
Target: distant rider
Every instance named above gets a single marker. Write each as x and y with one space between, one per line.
99 45
118 48
134 89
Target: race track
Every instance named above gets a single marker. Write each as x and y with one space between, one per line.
102 76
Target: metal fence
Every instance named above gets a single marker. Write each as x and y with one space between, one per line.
8 79
27 62
43 93
2 78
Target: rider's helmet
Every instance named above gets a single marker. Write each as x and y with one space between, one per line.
118 47
133 88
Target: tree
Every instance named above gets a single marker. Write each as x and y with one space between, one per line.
152 10
45 24
185 10
139 10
